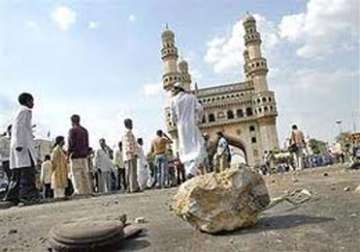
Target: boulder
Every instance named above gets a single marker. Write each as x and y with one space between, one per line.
223 201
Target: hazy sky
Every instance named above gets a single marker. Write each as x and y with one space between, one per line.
101 59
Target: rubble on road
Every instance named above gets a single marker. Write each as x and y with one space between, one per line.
13 231
229 200
140 220
295 197
357 189
223 201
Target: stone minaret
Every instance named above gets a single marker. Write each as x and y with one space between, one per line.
255 64
169 56
255 69
185 77
246 64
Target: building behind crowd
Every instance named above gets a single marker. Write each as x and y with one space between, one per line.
42 147
245 111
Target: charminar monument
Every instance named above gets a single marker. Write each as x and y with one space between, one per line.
245 111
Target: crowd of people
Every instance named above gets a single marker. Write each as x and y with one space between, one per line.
73 168
298 157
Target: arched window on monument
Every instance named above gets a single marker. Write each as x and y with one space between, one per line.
230 114
211 118
249 112
239 113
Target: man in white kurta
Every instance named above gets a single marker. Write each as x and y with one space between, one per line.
142 166
22 155
186 113
104 167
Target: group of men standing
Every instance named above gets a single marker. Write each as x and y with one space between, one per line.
61 165
129 160
22 173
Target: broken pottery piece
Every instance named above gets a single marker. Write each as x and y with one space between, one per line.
223 201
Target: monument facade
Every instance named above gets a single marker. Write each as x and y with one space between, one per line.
245 111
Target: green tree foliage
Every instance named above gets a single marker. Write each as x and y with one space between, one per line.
317 146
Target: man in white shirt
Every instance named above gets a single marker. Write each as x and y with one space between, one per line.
22 187
130 156
186 114
45 177
222 153
104 167
142 166
118 161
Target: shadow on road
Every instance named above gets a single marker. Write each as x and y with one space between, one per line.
280 222
135 244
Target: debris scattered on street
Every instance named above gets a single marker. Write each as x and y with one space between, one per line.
357 189
223 201
13 231
140 220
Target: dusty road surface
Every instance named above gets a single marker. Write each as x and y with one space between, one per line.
329 222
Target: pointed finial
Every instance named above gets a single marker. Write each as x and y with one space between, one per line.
196 88
166 26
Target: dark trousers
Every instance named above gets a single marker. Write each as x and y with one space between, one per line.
22 185
69 190
121 179
6 167
180 173
47 191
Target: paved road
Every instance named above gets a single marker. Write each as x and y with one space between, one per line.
330 222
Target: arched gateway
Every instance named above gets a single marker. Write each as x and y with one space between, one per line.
244 111
235 142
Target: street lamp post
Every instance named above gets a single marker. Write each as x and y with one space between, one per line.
339 122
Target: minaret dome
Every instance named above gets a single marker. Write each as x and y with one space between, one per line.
183 66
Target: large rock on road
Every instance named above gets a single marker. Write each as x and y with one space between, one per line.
222 201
